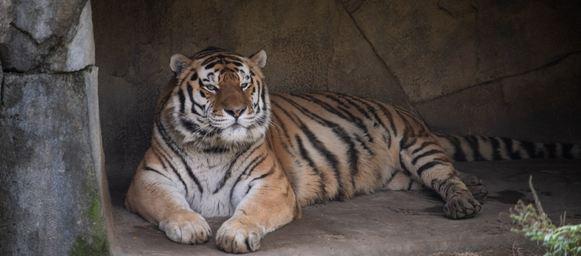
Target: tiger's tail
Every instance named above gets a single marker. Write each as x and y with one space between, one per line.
481 148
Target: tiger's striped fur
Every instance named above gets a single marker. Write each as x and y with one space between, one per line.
223 146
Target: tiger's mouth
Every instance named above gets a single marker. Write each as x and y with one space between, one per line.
235 133
236 126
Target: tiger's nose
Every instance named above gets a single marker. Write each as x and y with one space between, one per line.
235 111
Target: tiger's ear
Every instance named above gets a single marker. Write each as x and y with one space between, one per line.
178 62
259 58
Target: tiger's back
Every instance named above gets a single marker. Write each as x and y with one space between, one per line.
334 146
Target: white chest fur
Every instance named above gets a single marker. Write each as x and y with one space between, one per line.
218 197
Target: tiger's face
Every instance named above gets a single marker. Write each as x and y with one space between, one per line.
220 100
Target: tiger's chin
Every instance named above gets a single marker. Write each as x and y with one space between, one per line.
238 135
235 134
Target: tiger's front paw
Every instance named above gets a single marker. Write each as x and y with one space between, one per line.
237 237
186 227
461 207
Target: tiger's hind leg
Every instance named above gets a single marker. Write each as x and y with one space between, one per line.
426 161
402 181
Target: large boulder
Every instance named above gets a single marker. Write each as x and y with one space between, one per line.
53 189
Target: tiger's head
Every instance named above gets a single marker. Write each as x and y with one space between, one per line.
220 101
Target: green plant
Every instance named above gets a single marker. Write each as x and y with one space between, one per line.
533 222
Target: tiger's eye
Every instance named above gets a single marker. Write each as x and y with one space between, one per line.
210 87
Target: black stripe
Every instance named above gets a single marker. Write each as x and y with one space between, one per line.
447 186
194 76
264 175
391 177
147 168
182 98
210 65
407 133
402 163
512 154
255 162
330 158
495 143
427 166
458 151
567 150
474 145
427 153
389 117
263 97
345 114
210 59
551 150
190 126
247 242
437 184
387 139
339 132
175 148
410 183
351 102
529 147
305 155
364 145
172 167
157 154
423 131
194 103
283 128
228 172
373 111
217 149
250 167
423 145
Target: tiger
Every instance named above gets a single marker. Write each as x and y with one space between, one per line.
223 146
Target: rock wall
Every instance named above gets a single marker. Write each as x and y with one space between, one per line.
53 189
503 68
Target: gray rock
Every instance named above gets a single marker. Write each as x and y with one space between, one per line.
442 46
20 52
50 199
48 35
79 52
355 68
430 51
5 18
43 19
542 105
